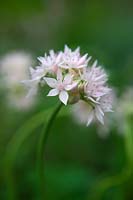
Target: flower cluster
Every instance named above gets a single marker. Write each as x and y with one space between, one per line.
14 68
124 109
71 76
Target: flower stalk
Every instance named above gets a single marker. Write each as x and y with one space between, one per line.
42 145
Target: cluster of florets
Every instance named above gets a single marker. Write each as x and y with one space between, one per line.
124 110
73 79
14 68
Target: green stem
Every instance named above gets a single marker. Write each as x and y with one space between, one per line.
129 143
13 150
42 146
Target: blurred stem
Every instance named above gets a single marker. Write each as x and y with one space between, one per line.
109 182
13 149
129 142
42 146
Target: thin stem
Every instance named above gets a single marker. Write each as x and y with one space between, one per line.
42 146
13 150
129 142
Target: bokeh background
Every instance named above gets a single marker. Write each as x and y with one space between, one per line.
76 157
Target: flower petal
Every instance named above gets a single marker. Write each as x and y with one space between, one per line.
67 49
90 118
41 59
53 92
94 64
59 75
77 50
67 79
82 59
58 58
63 96
51 82
72 86
99 114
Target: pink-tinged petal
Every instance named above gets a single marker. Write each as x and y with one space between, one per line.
67 79
99 114
59 75
41 59
90 118
102 77
98 109
82 59
63 96
101 91
89 59
53 92
52 53
58 57
81 66
51 82
94 64
67 49
72 86
77 50
32 70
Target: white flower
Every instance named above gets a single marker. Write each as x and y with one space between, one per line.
125 104
73 59
61 86
50 63
70 77
86 112
14 68
124 109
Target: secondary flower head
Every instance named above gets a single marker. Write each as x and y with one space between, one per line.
124 109
14 68
70 75
126 102
86 112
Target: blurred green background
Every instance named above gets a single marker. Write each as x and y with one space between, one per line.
76 157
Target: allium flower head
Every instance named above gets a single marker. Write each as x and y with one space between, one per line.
124 109
126 102
73 78
14 68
